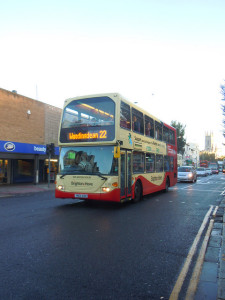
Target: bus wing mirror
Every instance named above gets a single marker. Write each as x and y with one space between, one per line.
116 151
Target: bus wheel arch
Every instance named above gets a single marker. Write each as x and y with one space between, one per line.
138 191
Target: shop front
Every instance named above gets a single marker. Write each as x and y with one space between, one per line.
25 163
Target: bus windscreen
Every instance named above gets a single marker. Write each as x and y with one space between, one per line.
88 161
88 120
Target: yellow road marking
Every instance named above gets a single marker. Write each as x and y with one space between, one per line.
198 266
177 288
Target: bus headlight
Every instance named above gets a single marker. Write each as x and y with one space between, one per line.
60 187
106 189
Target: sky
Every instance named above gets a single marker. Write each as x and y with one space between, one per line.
167 55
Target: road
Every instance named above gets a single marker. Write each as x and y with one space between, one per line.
66 249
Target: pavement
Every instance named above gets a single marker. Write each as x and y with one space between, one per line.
21 189
212 276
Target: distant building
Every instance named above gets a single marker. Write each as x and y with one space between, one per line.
27 125
191 154
209 142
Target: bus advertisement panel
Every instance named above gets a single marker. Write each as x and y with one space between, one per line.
112 150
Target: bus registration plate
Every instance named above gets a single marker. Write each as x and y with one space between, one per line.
81 196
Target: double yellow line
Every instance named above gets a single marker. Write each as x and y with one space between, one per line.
198 266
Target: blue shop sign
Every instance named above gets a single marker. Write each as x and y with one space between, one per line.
15 147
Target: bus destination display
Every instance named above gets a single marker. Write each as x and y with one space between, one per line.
100 134
91 134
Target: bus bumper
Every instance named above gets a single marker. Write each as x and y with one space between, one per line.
113 196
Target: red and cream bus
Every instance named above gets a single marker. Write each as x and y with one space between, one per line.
112 150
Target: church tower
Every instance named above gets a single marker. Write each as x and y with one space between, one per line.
209 142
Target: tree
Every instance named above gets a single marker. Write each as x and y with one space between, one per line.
181 141
204 155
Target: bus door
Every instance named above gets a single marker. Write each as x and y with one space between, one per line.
125 178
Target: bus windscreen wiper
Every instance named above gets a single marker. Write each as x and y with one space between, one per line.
63 175
100 175
67 173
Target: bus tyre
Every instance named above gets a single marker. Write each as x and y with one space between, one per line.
137 192
167 185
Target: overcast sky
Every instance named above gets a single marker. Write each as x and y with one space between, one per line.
169 56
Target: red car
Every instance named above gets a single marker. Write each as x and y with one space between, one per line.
215 170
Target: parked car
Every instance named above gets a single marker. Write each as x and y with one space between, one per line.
209 171
201 171
186 173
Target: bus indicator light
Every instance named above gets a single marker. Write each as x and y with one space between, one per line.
117 152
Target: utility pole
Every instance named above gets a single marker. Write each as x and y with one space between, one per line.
50 151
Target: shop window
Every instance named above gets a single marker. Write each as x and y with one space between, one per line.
3 170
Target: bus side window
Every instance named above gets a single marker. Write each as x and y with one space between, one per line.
171 164
172 137
137 121
166 163
150 163
125 121
165 134
159 163
149 127
158 131
138 162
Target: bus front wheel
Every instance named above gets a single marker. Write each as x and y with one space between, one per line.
137 192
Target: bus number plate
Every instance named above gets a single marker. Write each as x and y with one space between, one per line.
81 196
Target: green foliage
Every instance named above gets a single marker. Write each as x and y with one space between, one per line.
207 156
181 141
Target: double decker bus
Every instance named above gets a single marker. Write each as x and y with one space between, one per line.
112 150
204 163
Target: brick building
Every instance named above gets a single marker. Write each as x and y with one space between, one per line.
27 125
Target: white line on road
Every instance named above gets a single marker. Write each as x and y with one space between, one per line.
190 187
223 193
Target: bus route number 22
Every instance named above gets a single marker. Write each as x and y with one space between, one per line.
103 134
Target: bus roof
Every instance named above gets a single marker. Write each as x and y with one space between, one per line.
119 96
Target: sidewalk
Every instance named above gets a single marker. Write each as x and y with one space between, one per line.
21 189
212 279
211 285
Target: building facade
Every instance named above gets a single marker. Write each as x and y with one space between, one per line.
27 125
191 154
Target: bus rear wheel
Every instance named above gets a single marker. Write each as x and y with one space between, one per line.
137 192
167 185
